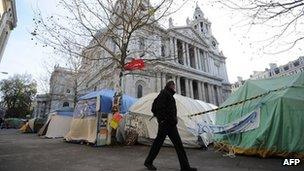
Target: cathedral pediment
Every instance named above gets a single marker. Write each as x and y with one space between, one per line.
191 34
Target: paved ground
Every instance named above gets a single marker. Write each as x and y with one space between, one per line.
30 152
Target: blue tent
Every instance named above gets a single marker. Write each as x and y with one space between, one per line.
106 99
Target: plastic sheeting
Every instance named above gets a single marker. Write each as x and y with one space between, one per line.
85 108
107 99
187 127
65 111
84 123
281 127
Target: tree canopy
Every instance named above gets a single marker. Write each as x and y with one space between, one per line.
17 94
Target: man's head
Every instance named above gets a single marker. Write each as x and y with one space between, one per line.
170 85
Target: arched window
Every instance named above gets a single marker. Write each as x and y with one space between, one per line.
139 87
66 104
139 91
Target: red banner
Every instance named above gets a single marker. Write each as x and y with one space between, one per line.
135 64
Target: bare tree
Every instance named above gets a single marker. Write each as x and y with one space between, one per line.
95 30
66 80
283 17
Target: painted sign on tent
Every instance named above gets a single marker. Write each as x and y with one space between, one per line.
246 123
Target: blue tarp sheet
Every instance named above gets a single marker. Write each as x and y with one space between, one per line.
106 99
65 111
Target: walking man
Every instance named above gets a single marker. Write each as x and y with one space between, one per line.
164 108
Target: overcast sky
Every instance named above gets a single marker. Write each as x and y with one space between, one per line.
22 55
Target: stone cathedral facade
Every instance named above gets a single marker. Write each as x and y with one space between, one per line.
188 54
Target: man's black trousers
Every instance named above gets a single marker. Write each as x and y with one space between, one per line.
163 130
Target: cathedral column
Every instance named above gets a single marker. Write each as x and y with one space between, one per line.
158 82
199 59
203 92
187 87
213 70
220 96
178 85
207 62
210 92
187 54
191 88
175 49
216 96
163 80
208 98
172 48
196 57
184 53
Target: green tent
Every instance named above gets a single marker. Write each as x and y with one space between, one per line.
281 128
14 123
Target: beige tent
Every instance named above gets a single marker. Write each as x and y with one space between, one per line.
140 119
58 124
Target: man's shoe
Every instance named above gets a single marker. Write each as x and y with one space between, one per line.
150 166
189 169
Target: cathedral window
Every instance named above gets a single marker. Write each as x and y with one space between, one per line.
142 46
276 70
163 50
139 91
213 43
296 63
66 104
163 47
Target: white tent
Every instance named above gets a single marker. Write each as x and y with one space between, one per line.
140 119
57 125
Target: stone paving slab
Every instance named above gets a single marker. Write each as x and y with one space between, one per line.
30 152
